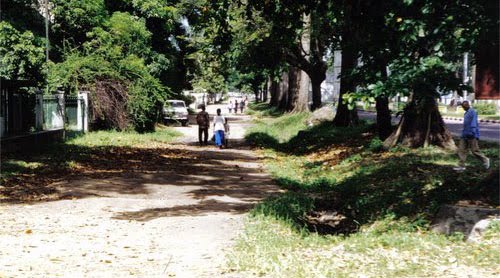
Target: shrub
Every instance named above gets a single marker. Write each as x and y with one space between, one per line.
376 145
485 108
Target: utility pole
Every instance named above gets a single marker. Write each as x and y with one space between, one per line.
465 73
47 42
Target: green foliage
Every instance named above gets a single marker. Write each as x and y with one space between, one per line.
24 15
128 32
485 108
21 54
376 145
210 78
73 19
117 52
420 43
78 71
146 98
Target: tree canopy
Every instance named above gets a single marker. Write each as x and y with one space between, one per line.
156 49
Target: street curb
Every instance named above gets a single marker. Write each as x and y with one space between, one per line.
450 118
480 120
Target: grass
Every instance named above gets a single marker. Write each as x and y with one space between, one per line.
273 131
27 175
123 138
260 110
386 200
268 247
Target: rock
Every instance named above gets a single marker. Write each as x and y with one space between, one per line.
479 229
451 219
325 113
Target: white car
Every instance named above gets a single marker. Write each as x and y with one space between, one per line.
175 110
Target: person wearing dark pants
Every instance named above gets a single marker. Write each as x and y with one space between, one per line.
469 139
242 105
203 121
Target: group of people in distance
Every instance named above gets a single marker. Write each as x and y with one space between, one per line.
233 105
220 126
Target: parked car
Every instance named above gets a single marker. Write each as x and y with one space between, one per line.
175 110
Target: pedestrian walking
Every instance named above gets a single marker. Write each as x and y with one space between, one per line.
469 138
219 128
242 105
236 104
203 121
230 106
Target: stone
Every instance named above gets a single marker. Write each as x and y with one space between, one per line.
451 219
479 229
324 114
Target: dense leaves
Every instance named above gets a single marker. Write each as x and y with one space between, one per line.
21 54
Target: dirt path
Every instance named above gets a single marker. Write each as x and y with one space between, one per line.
163 219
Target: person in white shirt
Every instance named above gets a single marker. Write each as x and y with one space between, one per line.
219 127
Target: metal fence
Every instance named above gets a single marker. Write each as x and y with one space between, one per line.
24 112
53 112
75 109
17 107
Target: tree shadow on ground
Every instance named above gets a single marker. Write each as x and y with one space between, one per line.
202 208
315 138
407 187
219 180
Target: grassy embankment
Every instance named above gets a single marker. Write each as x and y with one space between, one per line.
380 204
26 175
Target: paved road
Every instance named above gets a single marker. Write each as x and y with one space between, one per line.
489 131
166 210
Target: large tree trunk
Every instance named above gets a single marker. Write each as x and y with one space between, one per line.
345 117
266 90
384 124
275 93
283 100
421 126
316 81
300 101
297 94
257 92
293 87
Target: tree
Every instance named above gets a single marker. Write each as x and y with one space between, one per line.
72 20
425 43
349 16
21 54
304 32
112 64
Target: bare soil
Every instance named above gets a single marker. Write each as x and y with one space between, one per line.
168 211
